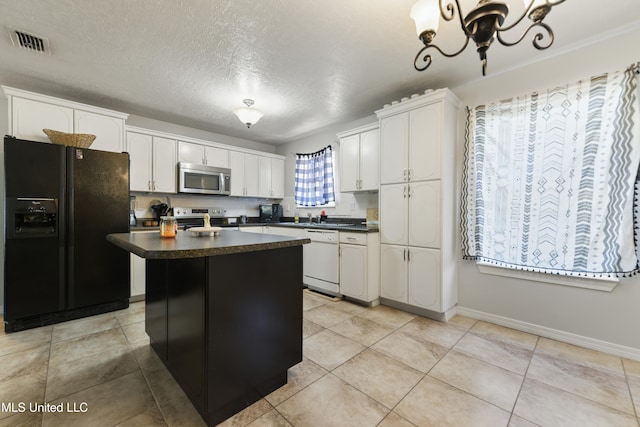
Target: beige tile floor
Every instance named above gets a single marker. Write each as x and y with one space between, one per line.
362 367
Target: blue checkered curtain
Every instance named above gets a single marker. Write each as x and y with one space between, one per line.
314 178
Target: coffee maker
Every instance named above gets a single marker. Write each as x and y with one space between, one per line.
270 213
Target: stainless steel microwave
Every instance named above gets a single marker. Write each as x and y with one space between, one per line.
200 179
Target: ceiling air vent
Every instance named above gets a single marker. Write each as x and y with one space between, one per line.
29 42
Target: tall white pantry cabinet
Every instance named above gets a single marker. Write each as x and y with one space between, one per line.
418 213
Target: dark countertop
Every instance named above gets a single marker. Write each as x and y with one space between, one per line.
326 226
185 245
331 226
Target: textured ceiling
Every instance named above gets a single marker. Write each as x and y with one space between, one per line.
306 63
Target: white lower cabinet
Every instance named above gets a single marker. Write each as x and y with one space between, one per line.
393 272
423 278
138 277
359 260
411 275
283 231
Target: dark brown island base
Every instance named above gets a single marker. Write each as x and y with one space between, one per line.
223 313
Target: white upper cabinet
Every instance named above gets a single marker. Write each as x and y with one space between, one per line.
394 148
277 178
191 153
424 143
349 163
369 160
410 145
31 112
140 148
251 176
108 130
359 154
29 117
271 177
244 174
153 162
215 156
165 175
200 154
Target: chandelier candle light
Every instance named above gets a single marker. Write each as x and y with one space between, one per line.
247 115
483 24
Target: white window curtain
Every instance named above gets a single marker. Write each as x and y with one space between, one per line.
549 179
314 178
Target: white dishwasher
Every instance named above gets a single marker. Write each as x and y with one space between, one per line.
322 261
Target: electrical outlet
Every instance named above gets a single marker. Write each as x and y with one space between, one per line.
353 206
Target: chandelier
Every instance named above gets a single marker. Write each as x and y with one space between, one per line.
247 115
483 24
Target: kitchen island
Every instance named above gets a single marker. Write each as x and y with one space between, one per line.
223 313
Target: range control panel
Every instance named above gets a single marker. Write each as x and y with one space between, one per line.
198 212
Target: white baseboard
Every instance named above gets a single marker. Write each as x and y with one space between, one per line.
543 331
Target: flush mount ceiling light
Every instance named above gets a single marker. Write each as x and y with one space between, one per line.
483 24
247 115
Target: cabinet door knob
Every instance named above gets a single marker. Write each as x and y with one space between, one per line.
149 185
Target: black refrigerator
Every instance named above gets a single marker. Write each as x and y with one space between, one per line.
60 203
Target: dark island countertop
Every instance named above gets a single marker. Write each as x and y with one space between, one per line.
185 245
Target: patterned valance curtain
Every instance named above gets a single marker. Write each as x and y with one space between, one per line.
549 179
314 178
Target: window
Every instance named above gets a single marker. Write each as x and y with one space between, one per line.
549 179
314 180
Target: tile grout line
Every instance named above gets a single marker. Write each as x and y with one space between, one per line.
46 378
633 403
524 378
426 374
146 380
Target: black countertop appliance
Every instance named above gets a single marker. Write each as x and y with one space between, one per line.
270 213
61 202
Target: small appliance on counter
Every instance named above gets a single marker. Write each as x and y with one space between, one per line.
270 213
159 209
